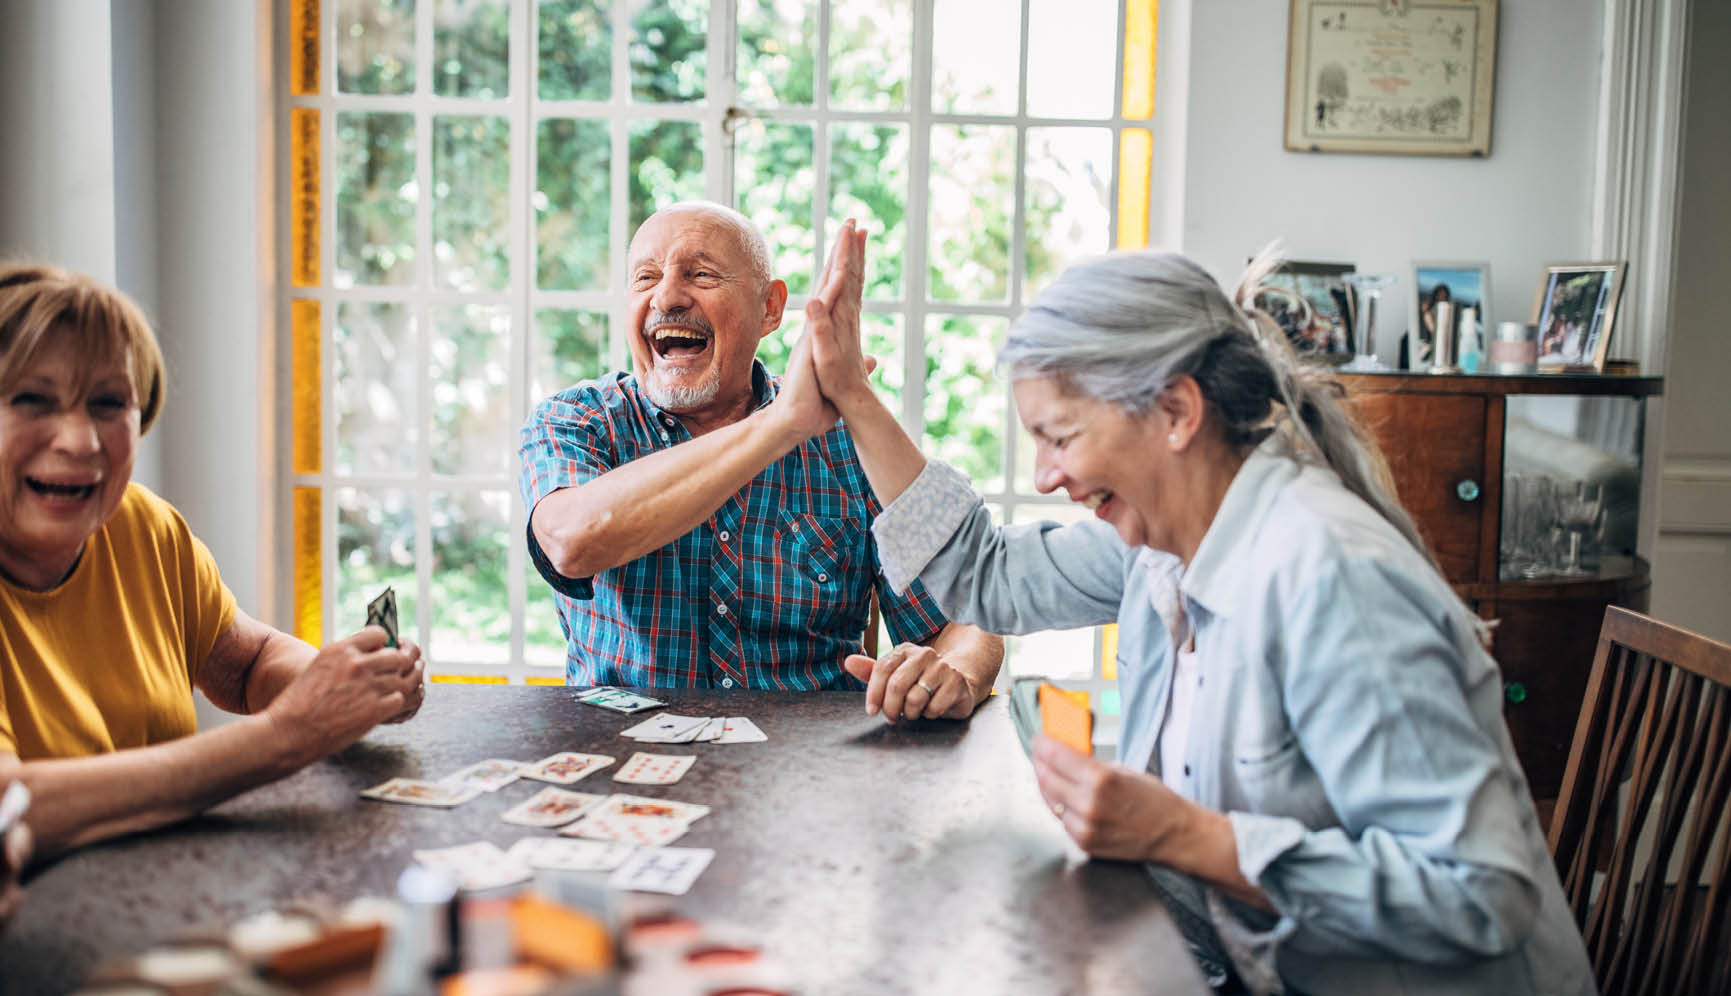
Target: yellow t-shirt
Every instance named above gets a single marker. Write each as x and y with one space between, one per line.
106 661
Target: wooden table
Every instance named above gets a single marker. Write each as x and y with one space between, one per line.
870 858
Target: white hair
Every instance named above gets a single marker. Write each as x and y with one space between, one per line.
750 237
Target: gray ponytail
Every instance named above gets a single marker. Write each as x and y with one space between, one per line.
1120 327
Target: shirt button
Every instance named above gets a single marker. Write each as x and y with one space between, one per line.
725 536
664 438
722 610
1187 771
822 578
727 682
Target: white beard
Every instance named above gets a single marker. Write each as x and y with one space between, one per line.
683 399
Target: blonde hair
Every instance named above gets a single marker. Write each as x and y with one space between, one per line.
42 305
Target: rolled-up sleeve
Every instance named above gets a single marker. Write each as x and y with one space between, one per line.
1431 861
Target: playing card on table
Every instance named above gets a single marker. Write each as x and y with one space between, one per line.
642 806
654 769
646 831
565 767
489 776
669 870
382 612
739 730
551 807
419 793
568 854
476 866
667 728
617 699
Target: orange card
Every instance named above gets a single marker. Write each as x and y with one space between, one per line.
1065 718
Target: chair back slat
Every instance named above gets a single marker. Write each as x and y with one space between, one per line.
1640 832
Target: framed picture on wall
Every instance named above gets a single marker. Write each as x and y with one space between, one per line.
1463 285
1313 305
1404 77
1575 308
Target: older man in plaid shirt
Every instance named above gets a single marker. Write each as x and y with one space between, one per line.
704 524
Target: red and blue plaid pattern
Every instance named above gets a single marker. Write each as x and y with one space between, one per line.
772 592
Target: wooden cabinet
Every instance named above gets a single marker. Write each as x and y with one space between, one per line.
1444 437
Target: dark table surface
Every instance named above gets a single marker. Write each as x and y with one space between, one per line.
871 859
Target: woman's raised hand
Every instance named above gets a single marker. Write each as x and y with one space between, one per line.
833 322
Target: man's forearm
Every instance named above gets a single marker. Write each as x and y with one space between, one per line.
973 652
650 502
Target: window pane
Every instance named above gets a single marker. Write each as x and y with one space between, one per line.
375 548
1061 654
472 430
543 637
471 202
964 406
775 178
868 181
1072 58
971 209
376 381
472 621
376 197
471 48
569 345
870 50
777 51
376 46
572 185
974 58
669 49
576 48
1069 194
666 165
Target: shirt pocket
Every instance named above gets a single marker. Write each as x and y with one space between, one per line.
1275 777
820 547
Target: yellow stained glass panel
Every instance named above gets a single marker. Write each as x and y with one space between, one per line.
308 455
308 566
467 679
1135 171
304 48
543 681
304 195
1109 652
1140 19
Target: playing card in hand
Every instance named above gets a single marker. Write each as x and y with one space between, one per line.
382 612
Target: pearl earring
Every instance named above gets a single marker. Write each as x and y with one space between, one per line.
1172 437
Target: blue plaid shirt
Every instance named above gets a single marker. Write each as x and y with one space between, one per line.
772 592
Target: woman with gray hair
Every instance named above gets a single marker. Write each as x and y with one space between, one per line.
1313 735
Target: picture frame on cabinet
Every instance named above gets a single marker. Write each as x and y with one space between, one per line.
1313 305
1576 309
1463 284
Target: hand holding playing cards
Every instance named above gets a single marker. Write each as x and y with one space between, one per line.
911 682
350 687
14 855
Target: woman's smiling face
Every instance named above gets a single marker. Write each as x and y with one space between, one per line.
68 435
1101 456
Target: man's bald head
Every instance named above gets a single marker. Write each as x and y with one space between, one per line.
751 242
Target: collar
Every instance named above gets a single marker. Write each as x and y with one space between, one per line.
1212 579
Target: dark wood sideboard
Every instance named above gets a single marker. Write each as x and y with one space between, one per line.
1443 435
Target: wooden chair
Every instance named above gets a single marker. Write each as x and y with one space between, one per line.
869 644
1652 760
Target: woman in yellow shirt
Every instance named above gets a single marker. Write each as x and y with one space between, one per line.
112 612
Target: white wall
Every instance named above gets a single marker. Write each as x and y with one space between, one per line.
1526 205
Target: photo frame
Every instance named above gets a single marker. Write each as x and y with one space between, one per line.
1398 77
1463 284
1314 306
1575 310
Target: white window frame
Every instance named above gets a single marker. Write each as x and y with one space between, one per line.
523 110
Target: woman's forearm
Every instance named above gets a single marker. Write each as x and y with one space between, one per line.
890 458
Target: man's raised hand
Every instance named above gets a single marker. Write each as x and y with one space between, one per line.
833 322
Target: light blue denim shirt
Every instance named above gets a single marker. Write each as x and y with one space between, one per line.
1349 723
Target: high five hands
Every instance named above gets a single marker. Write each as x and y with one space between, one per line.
827 373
